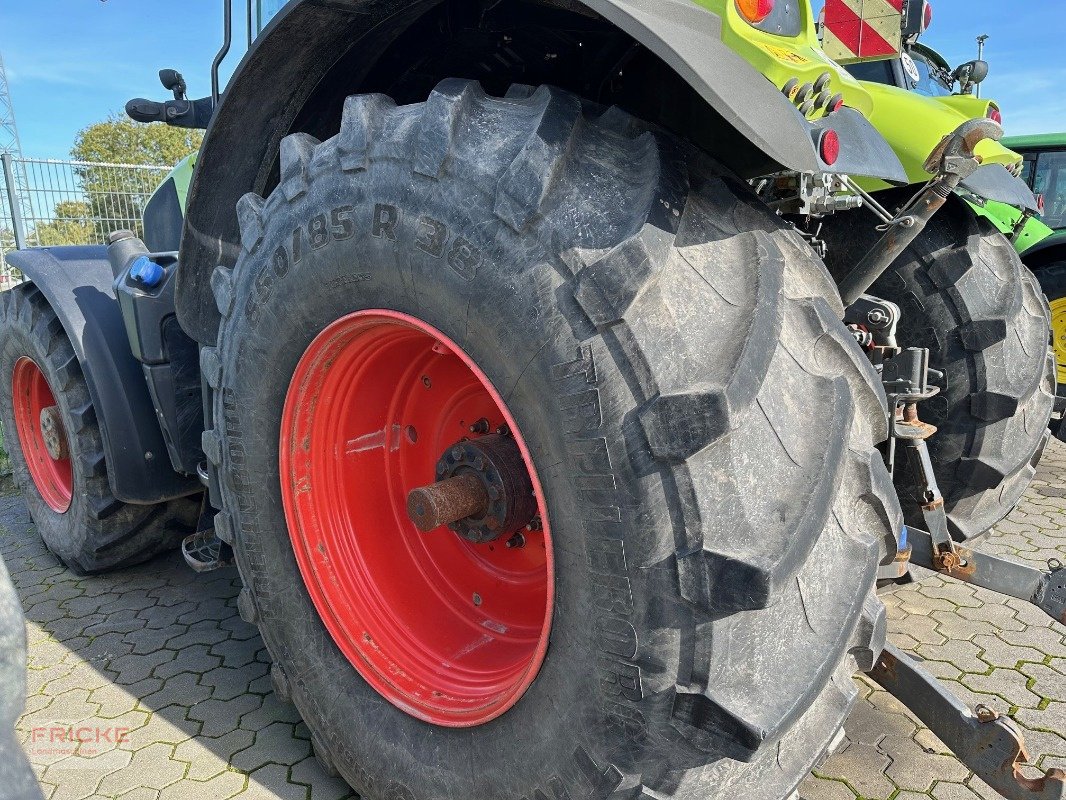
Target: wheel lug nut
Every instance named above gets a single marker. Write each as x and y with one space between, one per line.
516 541
481 426
503 430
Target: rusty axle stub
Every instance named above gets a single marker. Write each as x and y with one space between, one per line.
483 491
447 502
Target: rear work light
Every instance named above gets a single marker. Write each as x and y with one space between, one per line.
755 11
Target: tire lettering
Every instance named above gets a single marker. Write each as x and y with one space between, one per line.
342 218
386 218
281 262
593 476
318 232
433 237
297 245
465 259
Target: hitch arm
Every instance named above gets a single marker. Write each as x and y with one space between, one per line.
951 162
990 745
1045 590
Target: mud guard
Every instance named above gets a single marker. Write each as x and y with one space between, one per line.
1042 253
993 182
77 281
288 59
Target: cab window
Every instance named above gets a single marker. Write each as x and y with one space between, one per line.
1028 168
933 80
1050 182
874 71
265 11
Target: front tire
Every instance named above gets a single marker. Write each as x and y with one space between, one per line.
59 465
700 420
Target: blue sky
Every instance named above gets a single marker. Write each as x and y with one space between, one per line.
71 62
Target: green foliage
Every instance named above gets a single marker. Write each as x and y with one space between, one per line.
116 196
72 225
120 140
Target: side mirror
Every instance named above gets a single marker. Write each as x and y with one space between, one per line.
173 81
970 74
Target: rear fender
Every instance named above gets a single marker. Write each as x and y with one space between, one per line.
313 53
77 282
1050 251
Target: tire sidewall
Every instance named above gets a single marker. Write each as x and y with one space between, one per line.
584 709
61 537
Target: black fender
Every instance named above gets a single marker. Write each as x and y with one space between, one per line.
994 182
310 42
1050 250
77 281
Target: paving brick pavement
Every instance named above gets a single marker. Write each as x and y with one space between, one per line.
169 693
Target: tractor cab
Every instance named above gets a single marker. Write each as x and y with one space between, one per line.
918 69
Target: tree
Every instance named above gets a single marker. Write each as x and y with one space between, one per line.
72 224
120 140
117 195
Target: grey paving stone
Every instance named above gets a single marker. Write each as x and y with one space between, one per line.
162 651
913 768
277 744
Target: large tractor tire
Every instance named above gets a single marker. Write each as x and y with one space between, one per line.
57 453
674 435
965 294
1053 283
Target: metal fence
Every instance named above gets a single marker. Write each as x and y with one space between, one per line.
47 203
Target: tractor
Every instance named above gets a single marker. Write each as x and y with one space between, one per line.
988 444
1042 241
921 70
494 341
1041 237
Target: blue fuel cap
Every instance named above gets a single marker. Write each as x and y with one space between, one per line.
147 273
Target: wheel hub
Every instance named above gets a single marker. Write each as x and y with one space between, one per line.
53 433
391 434
483 491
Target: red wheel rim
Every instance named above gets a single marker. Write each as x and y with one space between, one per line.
30 395
449 631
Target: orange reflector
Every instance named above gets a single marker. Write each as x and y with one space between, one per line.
755 11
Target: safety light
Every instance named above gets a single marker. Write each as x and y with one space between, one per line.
755 11
995 115
927 17
829 147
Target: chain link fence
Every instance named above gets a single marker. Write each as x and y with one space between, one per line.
46 203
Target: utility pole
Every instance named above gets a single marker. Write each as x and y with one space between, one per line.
14 188
981 55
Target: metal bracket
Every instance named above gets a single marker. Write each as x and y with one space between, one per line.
1045 590
951 162
990 745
